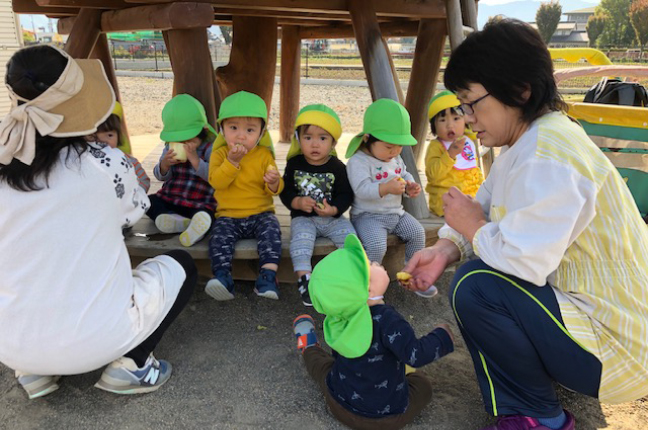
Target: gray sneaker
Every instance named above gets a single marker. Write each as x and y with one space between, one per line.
38 385
122 376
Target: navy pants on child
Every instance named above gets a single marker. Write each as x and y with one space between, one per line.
226 231
518 342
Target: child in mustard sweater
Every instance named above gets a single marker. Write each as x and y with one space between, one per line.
245 178
451 158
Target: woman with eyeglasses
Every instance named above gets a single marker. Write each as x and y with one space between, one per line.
556 289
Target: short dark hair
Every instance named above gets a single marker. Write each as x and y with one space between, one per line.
304 128
366 144
507 57
455 110
113 123
30 72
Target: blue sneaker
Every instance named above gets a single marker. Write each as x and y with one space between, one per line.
267 285
304 329
221 287
122 376
37 385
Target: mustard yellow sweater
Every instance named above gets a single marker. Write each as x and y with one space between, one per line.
441 176
242 192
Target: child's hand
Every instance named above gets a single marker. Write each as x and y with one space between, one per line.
326 210
395 186
304 204
272 177
167 161
456 147
412 188
236 154
192 156
446 327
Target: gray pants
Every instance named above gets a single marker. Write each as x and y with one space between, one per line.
304 231
373 230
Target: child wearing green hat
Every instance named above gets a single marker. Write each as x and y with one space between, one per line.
185 203
364 381
317 190
379 180
245 178
451 158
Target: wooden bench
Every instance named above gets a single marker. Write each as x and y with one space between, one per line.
145 241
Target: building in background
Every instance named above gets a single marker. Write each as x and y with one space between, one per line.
10 42
571 32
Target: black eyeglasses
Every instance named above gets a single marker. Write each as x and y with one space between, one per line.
468 109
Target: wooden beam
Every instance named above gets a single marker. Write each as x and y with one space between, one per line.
375 59
158 17
399 90
253 59
387 29
64 25
283 14
402 8
31 7
469 12
90 4
84 33
192 66
455 23
423 79
289 89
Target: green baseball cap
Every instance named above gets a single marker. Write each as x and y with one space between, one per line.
386 120
184 117
339 288
244 104
321 116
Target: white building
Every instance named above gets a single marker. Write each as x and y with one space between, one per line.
572 32
10 42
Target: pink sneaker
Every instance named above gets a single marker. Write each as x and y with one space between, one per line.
520 422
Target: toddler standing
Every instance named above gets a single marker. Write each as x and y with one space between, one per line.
379 179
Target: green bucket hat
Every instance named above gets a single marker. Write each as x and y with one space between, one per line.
339 288
321 116
386 120
244 104
442 101
184 117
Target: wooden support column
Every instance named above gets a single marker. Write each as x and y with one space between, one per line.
290 71
253 59
455 23
192 67
469 9
399 89
423 79
84 33
375 59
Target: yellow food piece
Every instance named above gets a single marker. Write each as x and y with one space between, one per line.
403 277
271 168
401 179
320 205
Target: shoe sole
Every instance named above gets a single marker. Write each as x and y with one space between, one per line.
308 305
268 294
43 390
110 384
198 228
303 316
217 291
167 223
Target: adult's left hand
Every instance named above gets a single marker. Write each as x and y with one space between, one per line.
463 213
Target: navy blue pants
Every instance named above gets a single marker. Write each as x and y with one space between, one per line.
518 342
226 231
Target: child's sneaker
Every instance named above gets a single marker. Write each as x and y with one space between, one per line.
520 422
304 328
302 286
267 285
37 385
198 228
122 376
171 223
221 287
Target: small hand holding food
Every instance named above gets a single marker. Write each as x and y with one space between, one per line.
456 147
324 209
236 154
272 177
463 213
396 186
412 188
191 148
304 204
168 160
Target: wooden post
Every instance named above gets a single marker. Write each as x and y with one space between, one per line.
84 33
192 67
469 8
253 60
423 79
455 23
381 82
290 68
399 89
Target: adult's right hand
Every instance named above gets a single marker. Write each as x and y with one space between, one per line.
427 265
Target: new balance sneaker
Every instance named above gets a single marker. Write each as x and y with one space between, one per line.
304 328
171 223
37 385
122 376
221 286
302 286
197 229
267 285
520 422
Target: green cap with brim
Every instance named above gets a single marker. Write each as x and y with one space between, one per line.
184 118
339 288
386 120
247 105
320 115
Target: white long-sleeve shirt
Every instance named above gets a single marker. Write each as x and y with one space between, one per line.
559 212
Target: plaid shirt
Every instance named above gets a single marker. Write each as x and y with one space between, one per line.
187 189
